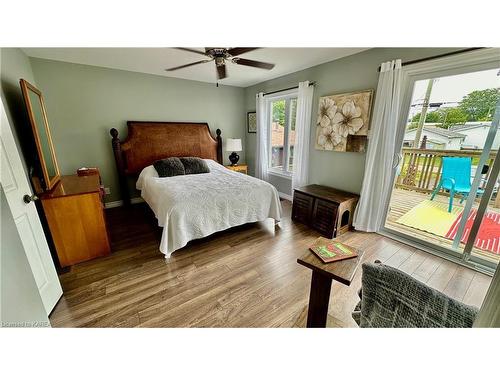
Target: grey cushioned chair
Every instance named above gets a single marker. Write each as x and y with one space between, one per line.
392 298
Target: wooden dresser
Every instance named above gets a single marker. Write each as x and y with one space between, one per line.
325 209
75 215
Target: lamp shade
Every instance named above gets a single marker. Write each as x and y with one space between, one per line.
233 144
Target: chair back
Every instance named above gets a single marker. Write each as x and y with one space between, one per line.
392 298
458 168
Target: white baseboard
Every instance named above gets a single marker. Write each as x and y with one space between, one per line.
119 203
285 196
113 204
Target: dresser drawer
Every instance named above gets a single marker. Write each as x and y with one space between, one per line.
324 218
302 207
75 216
78 227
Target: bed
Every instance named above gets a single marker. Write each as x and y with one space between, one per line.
190 206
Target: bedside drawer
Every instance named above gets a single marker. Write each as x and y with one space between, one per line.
302 207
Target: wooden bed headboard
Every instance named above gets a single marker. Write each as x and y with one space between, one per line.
148 141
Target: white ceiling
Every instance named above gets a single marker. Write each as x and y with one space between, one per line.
156 60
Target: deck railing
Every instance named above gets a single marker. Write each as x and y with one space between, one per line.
420 170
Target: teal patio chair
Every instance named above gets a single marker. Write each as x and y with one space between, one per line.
455 177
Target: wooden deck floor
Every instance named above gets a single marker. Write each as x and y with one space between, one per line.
403 201
243 277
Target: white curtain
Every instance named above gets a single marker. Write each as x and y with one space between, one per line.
369 215
261 156
302 135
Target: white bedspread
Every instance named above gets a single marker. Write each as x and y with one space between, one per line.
197 205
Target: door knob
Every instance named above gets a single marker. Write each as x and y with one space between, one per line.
29 198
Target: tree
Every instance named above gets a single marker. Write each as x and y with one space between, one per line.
279 112
480 105
434 116
442 117
451 116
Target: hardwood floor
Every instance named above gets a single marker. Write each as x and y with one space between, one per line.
243 277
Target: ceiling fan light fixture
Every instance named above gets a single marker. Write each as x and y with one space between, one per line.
219 61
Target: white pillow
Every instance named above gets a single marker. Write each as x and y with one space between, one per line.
144 175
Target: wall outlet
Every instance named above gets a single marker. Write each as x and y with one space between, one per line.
107 190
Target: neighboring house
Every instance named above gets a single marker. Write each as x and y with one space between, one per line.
277 143
476 133
437 138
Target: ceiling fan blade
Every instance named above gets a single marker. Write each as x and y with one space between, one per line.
240 50
191 50
255 64
221 71
185 66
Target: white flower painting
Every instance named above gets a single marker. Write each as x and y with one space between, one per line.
343 121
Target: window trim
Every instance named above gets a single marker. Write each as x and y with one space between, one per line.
287 96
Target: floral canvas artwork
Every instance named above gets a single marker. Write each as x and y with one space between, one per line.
343 121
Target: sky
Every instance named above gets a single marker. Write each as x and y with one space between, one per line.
454 88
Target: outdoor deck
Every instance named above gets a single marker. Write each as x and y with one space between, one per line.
403 201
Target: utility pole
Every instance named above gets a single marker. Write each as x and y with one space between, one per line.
444 120
423 114
411 172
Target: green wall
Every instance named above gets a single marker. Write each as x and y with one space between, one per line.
83 102
14 65
343 170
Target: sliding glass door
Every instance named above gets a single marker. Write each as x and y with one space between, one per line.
480 230
445 193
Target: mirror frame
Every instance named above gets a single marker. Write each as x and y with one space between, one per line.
25 88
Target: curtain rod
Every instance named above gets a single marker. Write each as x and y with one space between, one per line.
438 56
312 83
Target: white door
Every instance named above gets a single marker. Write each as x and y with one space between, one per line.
16 185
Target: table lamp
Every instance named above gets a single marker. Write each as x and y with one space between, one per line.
233 145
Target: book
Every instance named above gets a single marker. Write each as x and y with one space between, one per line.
331 251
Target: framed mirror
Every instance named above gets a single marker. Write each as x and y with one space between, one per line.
41 132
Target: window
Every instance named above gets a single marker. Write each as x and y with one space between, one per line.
283 110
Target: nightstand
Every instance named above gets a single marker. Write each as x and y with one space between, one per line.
242 168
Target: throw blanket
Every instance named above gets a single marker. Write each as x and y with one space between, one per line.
391 298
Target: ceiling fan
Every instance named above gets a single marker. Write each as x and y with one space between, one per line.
221 56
